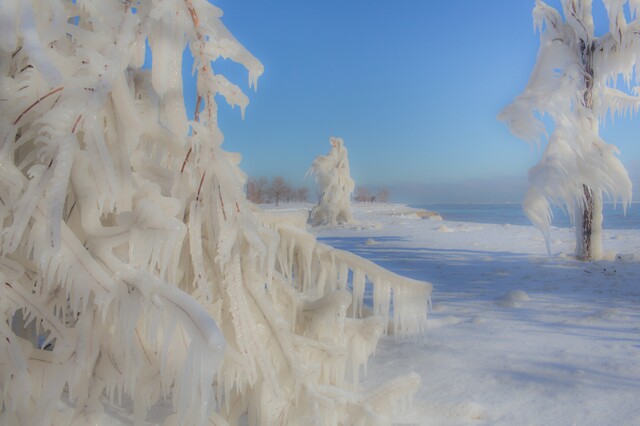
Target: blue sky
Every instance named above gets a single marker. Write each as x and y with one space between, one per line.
412 86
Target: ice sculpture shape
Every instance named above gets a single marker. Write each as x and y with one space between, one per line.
333 178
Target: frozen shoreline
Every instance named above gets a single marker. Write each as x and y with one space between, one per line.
515 337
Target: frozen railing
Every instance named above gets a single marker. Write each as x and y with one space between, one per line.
316 269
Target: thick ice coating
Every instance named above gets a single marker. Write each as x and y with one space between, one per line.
576 82
133 269
335 185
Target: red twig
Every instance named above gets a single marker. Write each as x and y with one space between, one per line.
200 186
194 16
224 214
205 68
196 115
186 158
54 91
73 130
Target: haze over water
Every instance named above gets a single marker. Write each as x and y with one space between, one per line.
512 214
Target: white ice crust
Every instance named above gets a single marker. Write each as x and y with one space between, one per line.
133 268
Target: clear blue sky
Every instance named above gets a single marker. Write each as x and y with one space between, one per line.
412 86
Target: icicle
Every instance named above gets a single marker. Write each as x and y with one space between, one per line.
410 301
225 44
163 46
101 164
139 51
343 275
128 131
195 246
381 298
59 185
617 20
359 279
365 334
242 321
23 210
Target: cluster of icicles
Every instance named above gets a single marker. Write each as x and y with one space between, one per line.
133 270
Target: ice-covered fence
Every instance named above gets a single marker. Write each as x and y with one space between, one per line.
316 269
404 298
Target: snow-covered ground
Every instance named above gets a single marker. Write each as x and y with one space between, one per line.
514 337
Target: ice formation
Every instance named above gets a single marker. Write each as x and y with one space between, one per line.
576 82
333 178
132 265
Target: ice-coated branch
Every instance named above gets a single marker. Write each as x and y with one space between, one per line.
132 267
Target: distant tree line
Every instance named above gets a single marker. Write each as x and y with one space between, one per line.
364 195
278 190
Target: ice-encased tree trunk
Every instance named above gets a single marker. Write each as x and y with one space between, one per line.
131 264
332 175
576 82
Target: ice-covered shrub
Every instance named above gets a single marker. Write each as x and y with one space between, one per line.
133 270
576 81
335 185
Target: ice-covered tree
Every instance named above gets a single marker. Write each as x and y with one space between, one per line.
579 79
335 185
132 268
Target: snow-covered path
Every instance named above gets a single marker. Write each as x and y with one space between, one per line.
515 337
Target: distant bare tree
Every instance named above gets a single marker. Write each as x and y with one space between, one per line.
260 191
383 195
279 189
302 194
256 190
362 194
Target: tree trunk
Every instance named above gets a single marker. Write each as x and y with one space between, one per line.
588 224
584 227
585 223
